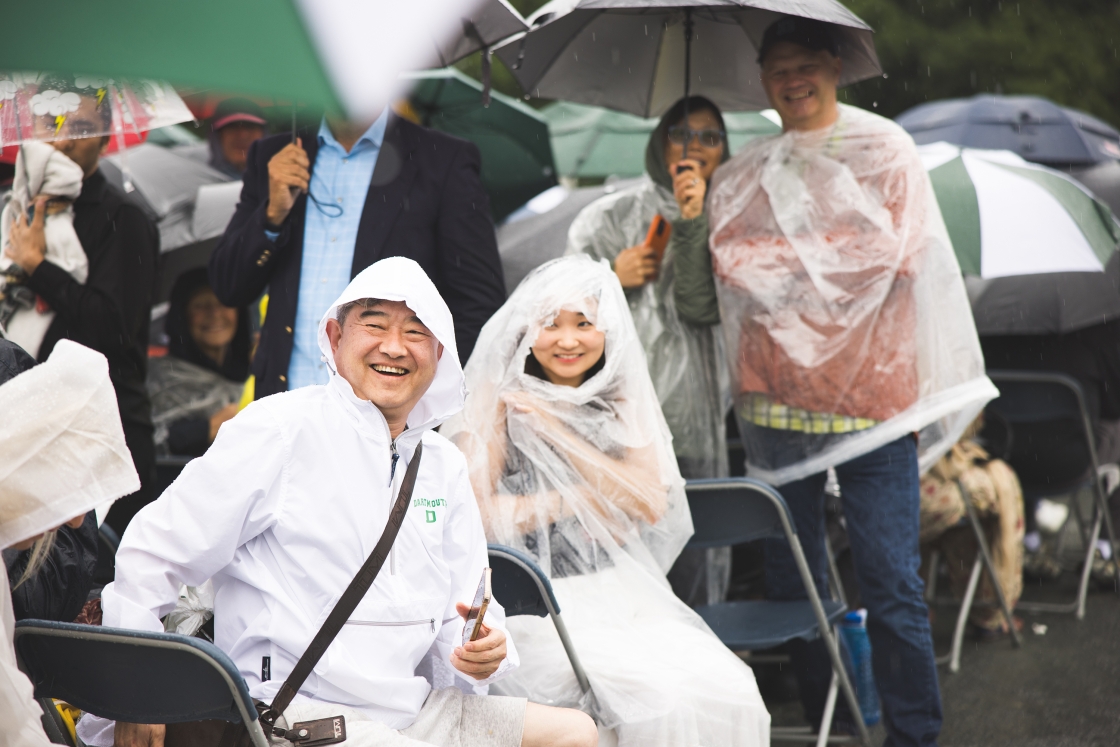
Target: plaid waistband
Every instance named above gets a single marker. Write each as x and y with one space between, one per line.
759 409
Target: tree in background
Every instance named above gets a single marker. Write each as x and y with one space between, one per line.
1065 50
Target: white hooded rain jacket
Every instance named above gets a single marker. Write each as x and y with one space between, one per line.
289 502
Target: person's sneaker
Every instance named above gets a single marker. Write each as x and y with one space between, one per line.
1041 565
1103 572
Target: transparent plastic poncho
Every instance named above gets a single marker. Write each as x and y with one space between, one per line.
685 361
843 306
583 479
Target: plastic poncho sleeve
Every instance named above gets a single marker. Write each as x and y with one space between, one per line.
694 289
220 502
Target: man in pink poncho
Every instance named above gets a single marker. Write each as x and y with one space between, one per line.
848 332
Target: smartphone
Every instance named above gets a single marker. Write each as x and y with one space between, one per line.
473 627
657 238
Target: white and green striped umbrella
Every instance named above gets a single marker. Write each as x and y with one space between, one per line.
1038 250
340 55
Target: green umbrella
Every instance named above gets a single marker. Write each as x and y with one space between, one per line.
339 55
512 137
593 143
1037 249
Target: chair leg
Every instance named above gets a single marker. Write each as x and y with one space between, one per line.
1102 502
829 709
986 556
962 618
1075 509
931 582
830 641
1087 569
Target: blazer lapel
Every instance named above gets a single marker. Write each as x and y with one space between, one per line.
388 193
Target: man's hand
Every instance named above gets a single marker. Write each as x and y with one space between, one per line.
288 177
27 243
689 188
138 735
221 416
635 266
479 659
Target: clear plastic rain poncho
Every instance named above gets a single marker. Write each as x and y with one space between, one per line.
843 306
685 361
584 480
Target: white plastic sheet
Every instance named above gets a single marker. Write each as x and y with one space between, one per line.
685 361
584 480
841 299
194 608
62 449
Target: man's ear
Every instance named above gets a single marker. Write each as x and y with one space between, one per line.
334 334
105 140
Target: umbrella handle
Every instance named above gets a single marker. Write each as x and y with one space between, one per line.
687 59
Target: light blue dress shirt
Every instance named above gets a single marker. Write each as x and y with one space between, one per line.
340 179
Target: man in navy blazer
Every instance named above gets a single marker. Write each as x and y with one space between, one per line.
424 201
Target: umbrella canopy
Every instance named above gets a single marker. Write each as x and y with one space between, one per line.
1038 251
512 137
490 23
630 55
591 142
340 55
49 107
1035 128
1103 180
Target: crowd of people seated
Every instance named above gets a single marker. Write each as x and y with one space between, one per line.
807 282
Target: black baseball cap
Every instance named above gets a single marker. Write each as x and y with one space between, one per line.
237 110
805 32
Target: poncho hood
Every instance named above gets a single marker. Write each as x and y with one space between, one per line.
402 279
62 448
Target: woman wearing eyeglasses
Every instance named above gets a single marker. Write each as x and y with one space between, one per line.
681 339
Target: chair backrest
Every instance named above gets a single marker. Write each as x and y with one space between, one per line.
110 540
130 675
519 584
1049 429
735 510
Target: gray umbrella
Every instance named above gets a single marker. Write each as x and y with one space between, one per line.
538 231
494 21
638 56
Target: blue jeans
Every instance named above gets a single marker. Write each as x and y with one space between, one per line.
880 499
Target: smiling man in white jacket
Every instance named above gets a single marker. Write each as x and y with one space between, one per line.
288 503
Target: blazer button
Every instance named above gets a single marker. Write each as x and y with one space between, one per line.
288 330
283 378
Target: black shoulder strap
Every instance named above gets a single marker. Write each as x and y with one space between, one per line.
348 602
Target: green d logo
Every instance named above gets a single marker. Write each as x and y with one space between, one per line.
430 516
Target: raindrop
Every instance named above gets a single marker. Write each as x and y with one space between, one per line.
927 72
646 27
592 36
874 104
885 75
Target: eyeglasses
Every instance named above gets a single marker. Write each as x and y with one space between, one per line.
707 138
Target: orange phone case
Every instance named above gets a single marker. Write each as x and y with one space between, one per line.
657 238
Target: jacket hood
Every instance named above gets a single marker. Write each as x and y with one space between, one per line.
402 279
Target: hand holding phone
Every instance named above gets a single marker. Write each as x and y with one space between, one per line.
473 626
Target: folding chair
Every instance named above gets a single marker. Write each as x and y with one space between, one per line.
736 510
523 589
983 562
1048 400
135 676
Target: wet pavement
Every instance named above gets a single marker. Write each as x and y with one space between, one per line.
1061 689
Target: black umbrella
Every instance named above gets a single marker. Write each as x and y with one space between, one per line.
1033 127
641 56
1103 179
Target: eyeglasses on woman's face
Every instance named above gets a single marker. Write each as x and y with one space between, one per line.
708 138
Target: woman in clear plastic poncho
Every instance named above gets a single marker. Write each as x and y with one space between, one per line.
843 306
571 462
680 338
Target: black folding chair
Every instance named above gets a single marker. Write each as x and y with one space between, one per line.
1034 403
134 676
521 587
736 510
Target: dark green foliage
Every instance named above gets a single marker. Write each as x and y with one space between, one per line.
1065 50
